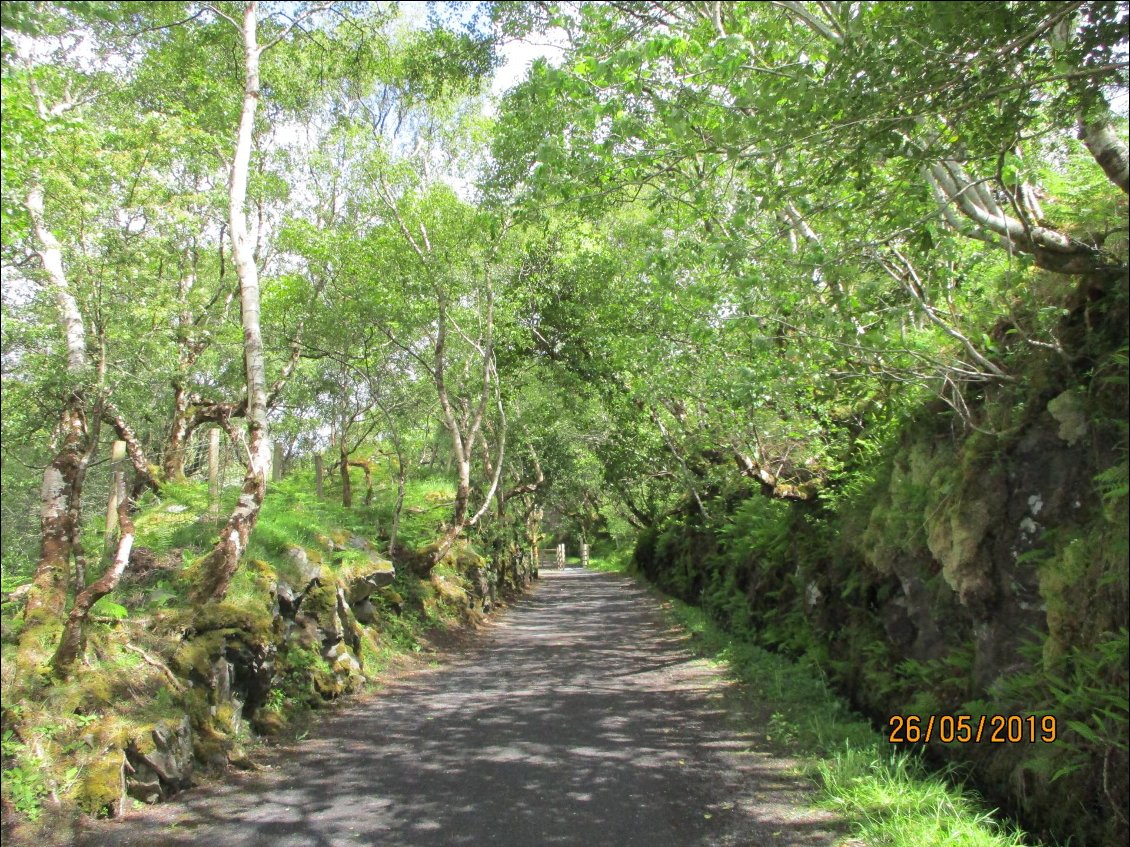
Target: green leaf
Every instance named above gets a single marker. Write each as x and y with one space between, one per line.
109 609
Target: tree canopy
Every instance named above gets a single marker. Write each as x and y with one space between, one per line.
701 252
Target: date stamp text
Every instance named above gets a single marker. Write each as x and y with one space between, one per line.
967 729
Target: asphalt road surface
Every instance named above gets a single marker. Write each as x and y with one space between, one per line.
579 718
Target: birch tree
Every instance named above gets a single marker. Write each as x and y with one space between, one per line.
463 409
60 509
219 566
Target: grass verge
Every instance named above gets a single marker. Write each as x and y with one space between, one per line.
886 796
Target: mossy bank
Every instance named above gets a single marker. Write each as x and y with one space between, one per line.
168 692
961 569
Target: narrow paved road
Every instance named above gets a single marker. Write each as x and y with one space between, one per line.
580 719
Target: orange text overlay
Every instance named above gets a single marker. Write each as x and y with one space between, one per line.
967 729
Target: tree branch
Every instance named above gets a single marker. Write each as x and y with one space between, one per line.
313 10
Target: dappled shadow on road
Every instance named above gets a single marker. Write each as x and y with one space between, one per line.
580 720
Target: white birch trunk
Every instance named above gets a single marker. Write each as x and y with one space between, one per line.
51 255
58 526
1109 151
218 568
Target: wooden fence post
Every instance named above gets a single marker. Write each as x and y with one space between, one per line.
560 555
117 457
214 474
584 555
277 462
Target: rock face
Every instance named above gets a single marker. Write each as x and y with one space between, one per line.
976 573
160 762
1069 412
483 584
228 661
308 647
376 574
306 570
321 610
969 569
318 622
103 788
980 520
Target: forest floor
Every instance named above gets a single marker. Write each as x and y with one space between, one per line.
579 717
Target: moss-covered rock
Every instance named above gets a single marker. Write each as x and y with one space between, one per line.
322 644
980 571
255 623
229 657
450 591
955 539
269 722
160 760
1070 413
301 570
363 578
101 789
171 689
210 744
319 609
345 672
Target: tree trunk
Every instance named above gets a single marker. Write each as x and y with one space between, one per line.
1050 249
1108 149
367 469
319 473
62 478
141 466
462 492
51 256
172 463
401 477
276 462
57 530
770 484
219 566
395 528
72 644
463 438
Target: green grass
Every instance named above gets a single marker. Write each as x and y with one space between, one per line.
614 563
892 798
887 797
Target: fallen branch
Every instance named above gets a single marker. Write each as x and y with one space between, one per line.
153 661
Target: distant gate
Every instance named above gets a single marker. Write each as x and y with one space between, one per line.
554 557
551 557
